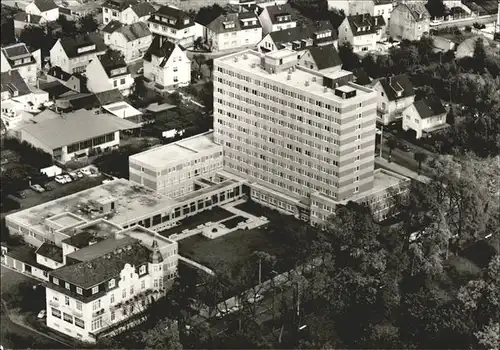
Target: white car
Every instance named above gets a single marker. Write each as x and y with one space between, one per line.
73 175
67 178
79 174
38 188
60 179
86 171
41 314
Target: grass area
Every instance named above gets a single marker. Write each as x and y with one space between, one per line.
233 222
214 215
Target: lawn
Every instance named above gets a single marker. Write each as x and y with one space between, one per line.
191 222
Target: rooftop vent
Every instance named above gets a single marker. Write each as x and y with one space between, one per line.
129 247
314 79
236 59
289 77
325 89
253 65
307 83
245 56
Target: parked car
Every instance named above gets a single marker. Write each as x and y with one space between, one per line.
60 179
86 172
19 195
79 174
37 188
404 147
41 314
67 178
73 175
48 187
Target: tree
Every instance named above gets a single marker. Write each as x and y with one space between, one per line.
165 335
207 14
391 143
88 24
479 54
199 60
68 28
420 157
37 38
139 89
489 336
436 8
349 59
198 43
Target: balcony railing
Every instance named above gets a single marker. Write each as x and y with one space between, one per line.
53 303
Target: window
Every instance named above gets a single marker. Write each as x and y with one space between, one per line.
175 69
56 313
115 83
79 305
55 280
155 283
142 270
122 81
66 285
112 316
66 300
67 317
112 298
131 290
124 293
143 284
96 324
111 283
96 305
356 189
79 291
95 289
79 323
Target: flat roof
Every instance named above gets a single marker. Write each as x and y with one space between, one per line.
159 157
69 128
132 202
252 63
122 110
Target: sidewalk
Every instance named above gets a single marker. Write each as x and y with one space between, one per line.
384 163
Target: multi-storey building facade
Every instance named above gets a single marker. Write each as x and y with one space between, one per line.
293 130
175 169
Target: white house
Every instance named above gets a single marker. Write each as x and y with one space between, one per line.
410 21
47 9
126 11
276 17
362 31
395 94
18 57
50 255
321 58
71 81
233 30
106 280
373 7
175 26
109 72
132 40
425 116
167 65
74 54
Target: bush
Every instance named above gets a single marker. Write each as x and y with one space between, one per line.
462 270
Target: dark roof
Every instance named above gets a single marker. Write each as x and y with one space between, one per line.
417 10
87 101
45 5
361 77
119 4
112 26
25 254
110 96
429 107
51 251
218 24
325 56
365 24
111 61
12 81
16 52
135 31
275 11
397 83
165 50
143 9
302 33
178 17
72 44
54 88
57 72
23 17
87 274
65 11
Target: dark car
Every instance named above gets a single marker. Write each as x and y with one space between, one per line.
20 195
48 187
404 147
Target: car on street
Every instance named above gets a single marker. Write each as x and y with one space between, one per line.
60 179
404 147
41 314
48 187
73 175
37 188
19 195
86 172
67 178
79 174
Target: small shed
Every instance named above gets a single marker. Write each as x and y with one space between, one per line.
51 171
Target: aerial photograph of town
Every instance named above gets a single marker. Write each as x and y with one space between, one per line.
250 174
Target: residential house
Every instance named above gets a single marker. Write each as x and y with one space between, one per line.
395 94
299 38
425 116
321 58
362 31
47 9
108 72
175 26
131 40
126 11
167 65
72 135
74 54
18 57
410 21
373 7
233 30
73 81
23 20
276 17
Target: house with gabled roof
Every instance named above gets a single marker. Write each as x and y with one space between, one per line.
126 11
362 31
395 94
233 30
276 17
131 40
47 9
175 26
425 116
410 21
167 65
18 57
321 58
299 38
73 54
108 72
23 19
73 81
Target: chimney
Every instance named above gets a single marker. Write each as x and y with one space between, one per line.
390 81
376 21
28 17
